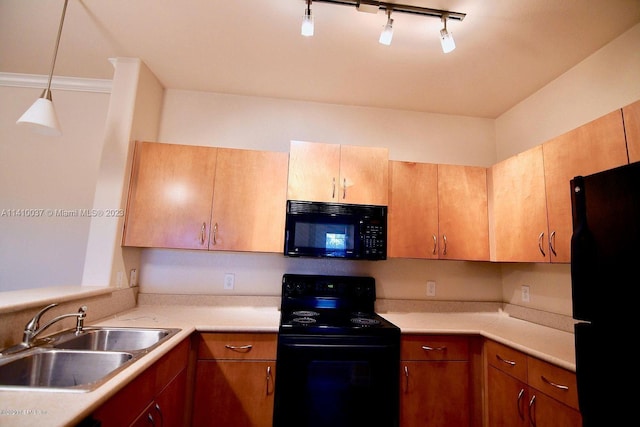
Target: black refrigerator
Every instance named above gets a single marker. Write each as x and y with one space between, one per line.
605 279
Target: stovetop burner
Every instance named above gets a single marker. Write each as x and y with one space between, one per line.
305 313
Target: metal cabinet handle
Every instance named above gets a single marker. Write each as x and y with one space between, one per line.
551 383
406 379
344 188
519 404
444 238
540 241
333 188
151 420
157 407
203 231
269 381
552 242
427 348
508 362
435 244
532 411
215 232
243 348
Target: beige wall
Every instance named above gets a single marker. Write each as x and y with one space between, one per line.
39 172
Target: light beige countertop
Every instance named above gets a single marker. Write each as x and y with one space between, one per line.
38 408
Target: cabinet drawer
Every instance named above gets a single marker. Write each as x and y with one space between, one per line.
507 360
553 381
434 347
243 346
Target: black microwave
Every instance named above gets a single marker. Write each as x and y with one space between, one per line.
335 230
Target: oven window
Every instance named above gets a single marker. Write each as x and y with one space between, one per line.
341 386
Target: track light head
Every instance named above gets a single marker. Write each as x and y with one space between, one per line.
446 38
387 31
307 21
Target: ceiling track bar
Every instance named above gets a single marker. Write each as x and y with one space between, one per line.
396 7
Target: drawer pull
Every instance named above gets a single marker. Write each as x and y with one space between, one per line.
508 362
551 383
239 348
427 348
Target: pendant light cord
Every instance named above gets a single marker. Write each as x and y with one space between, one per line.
47 92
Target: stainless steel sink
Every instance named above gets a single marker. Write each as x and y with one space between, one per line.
50 368
78 361
111 339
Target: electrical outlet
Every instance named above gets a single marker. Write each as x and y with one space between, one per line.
431 288
229 280
525 293
133 278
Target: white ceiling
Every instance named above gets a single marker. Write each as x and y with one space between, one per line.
506 49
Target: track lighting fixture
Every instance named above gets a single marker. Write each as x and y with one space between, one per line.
387 31
41 116
446 38
372 6
307 21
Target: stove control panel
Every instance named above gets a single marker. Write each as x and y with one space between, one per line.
319 286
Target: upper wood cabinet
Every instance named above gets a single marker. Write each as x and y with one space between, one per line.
596 146
192 197
517 208
413 210
437 211
170 196
463 220
631 114
249 201
338 173
531 195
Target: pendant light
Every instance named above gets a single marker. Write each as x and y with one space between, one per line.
41 116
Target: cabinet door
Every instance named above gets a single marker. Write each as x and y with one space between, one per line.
170 196
593 147
434 394
314 171
507 400
234 393
631 115
518 212
364 175
249 201
170 404
547 412
413 210
463 217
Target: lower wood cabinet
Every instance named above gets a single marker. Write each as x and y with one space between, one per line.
234 379
435 381
525 391
157 397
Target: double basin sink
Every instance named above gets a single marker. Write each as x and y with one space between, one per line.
78 361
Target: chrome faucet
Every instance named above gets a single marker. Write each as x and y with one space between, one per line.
33 329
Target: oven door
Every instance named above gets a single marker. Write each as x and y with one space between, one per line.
337 381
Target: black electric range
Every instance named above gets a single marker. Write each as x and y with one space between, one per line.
338 360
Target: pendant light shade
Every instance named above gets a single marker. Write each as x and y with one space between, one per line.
41 116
